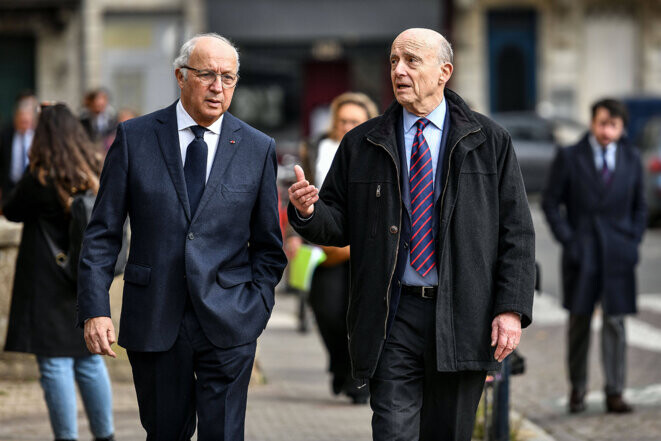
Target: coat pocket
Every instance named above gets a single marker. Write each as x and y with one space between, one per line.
227 278
137 274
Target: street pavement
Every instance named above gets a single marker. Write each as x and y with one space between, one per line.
541 394
295 404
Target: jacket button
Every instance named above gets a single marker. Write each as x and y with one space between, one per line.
191 236
394 229
406 246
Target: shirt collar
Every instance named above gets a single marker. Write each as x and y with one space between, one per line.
184 120
437 117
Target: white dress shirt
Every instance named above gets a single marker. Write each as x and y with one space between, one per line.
186 136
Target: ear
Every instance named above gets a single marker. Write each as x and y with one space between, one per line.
180 77
446 73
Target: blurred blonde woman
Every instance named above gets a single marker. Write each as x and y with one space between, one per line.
62 162
329 292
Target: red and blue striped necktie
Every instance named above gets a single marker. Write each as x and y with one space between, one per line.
421 183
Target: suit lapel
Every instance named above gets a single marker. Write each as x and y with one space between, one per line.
168 141
588 168
228 144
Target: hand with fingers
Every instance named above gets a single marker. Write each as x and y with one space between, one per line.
303 195
506 334
99 335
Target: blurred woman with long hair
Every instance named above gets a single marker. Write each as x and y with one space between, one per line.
63 162
329 291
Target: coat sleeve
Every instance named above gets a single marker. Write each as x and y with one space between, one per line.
103 236
267 258
328 224
515 272
555 195
639 209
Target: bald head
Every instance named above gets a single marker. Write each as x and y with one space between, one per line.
429 39
421 65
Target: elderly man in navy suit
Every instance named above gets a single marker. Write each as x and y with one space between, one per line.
199 187
594 203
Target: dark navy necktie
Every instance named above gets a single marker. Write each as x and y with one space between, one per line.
195 167
421 182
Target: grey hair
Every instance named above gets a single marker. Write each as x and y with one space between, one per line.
187 49
445 53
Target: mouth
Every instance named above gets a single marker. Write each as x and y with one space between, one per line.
213 102
402 87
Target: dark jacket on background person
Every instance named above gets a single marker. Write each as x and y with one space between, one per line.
600 227
485 249
43 306
6 153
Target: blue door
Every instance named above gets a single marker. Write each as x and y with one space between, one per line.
512 59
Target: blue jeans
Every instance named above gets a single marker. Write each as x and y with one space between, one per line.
57 380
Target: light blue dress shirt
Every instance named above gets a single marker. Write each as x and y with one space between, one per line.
432 133
19 157
598 153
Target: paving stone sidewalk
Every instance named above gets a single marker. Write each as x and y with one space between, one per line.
294 405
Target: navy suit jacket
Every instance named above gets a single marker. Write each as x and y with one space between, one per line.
227 256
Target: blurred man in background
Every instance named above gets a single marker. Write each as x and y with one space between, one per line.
15 142
594 204
99 118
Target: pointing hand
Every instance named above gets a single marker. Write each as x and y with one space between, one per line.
302 194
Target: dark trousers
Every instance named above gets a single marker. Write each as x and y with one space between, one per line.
613 352
193 378
410 399
329 299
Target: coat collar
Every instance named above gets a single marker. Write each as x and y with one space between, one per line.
168 140
462 124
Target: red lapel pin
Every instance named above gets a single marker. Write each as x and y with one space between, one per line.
232 141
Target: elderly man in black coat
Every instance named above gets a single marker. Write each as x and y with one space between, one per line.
594 203
430 197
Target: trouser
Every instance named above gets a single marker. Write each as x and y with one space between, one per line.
329 299
193 380
59 376
613 352
410 399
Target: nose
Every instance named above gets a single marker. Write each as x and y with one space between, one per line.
217 85
399 69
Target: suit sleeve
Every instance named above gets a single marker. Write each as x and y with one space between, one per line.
328 224
267 258
103 237
555 195
515 272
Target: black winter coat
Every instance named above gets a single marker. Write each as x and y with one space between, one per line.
42 319
599 226
485 248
